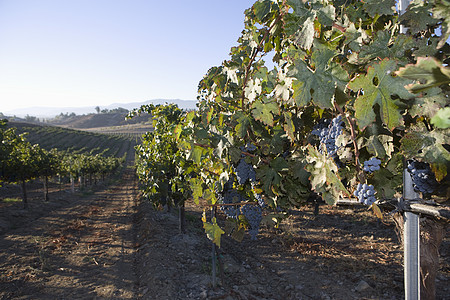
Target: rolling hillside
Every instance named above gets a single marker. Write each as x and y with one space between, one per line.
49 137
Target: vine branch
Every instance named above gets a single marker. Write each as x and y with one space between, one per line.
353 134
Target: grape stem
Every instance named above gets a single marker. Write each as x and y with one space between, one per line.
353 135
253 155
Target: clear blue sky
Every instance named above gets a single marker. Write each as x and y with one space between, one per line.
97 52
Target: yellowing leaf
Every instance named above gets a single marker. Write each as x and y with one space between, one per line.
377 211
213 231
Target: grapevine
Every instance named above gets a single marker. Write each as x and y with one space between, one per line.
343 91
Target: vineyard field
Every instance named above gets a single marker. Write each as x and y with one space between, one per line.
49 137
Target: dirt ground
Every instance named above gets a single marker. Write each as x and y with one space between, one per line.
107 244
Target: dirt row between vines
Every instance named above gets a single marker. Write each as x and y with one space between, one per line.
106 244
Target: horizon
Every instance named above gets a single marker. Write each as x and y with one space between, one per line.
52 111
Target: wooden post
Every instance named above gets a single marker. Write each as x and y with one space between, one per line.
182 218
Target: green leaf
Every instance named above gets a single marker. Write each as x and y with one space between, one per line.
428 146
318 84
261 9
417 16
326 15
442 118
324 176
196 153
378 87
289 125
243 122
386 183
264 111
428 103
427 70
197 189
269 174
379 7
385 47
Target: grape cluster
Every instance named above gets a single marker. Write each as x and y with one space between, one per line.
253 214
423 178
372 165
328 131
244 172
248 148
229 197
365 193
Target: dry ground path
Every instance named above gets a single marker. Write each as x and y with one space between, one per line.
80 249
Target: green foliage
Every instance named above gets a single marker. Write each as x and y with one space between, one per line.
331 58
22 161
159 161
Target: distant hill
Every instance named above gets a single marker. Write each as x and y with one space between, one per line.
51 112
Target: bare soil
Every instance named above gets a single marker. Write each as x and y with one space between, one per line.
107 244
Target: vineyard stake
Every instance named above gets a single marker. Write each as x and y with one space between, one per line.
213 253
411 243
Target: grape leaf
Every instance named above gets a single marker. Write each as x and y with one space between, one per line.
318 84
386 183
378 87
197 189
379 7
243 122
428 146
428 103
289 125
384 47
417 16
442 118
326 15
213 231
269 174
305 35
324 176
377 211
428 70
264 111
261 9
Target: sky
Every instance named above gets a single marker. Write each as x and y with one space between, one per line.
58 53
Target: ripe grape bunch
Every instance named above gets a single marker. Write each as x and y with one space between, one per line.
372 165
229 197
365 193
244 172
423 178
253 214
328 132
